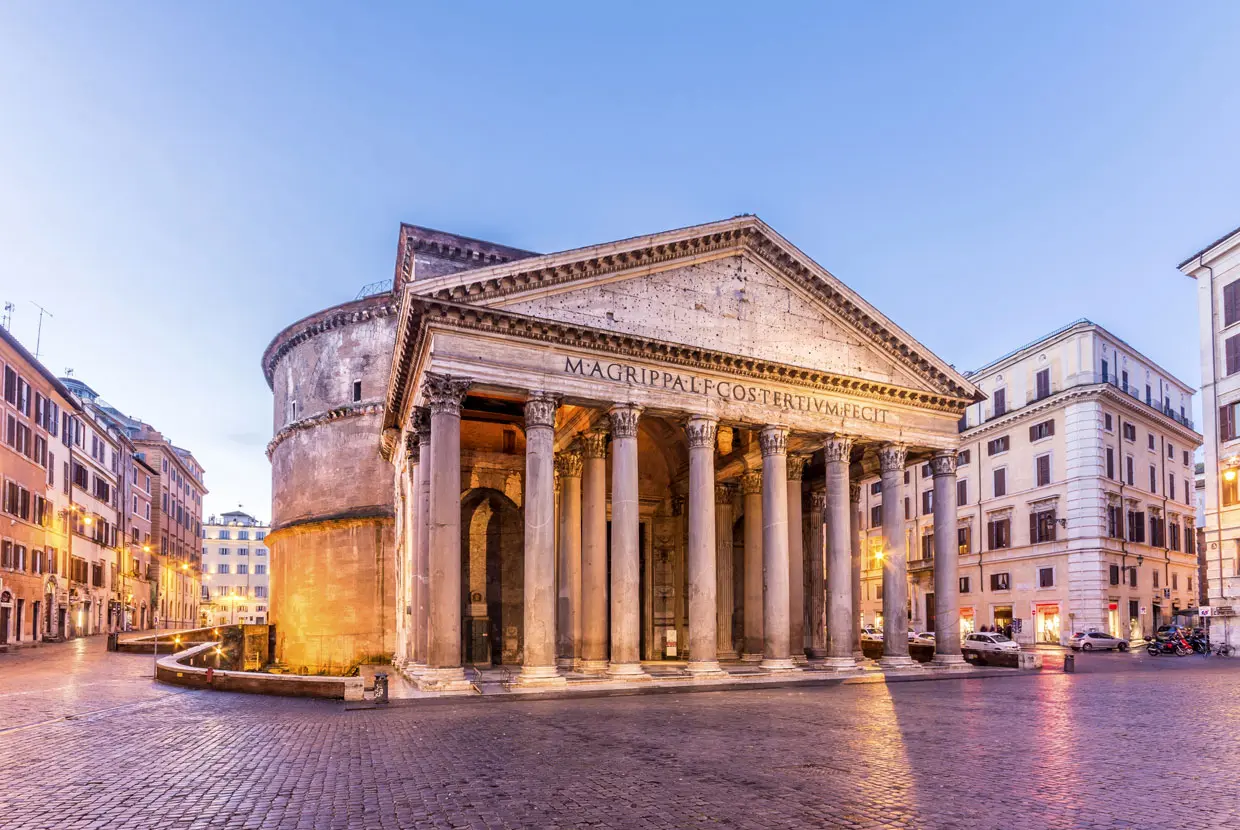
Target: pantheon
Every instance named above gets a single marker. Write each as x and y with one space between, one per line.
575 464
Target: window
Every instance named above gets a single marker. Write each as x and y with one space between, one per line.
1132 578
906 511
1173 535
1000 582
223 552
260 552
1041 527
1158 532
963 457
1043 430
927 502
221 568
260 535
1155 578
1042 465
1231 490
1130 432
1110 462
1175 582
876 516
962 492
260 591
1153 479
260 569
1171 487
224 534
964 540
997 445
1131 477
1231 348
243 568
1000 482
1231 303
998 534
1043 382
1105 376
1113 521
1114 574
927 546
1151 440
1171 451
1107 422
1001 401
243 551
876 488
964 585
1136 526
243 535
357 391
1046 577
10 385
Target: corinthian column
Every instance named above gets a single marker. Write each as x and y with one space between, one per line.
409 552
895 560
443 670
854 512
700 432
838 453
422 566
796 560
725 599
568 620
946 562
751 492
625 550
817 575
538 667
594 552
776 652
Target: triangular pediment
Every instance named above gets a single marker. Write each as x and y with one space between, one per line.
733 287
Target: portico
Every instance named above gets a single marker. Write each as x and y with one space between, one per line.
648 449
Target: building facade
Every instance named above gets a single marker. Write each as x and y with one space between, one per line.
690 390
235 570
1217 271
1075 497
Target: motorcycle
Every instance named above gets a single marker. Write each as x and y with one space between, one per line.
1172 645
1200 643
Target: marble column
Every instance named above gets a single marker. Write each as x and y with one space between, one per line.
817 575
443 671
751 494
422 566
838 454
725 599
703 617
593 552
854 513
946 562
776 625
568 617
538 666
625 546
409 546
895 560
796 560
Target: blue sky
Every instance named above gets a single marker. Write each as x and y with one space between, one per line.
178 182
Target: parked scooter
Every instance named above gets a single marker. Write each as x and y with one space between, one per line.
1172 645
1200 643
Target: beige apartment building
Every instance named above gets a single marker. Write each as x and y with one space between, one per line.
235 571
1075 497
1217 271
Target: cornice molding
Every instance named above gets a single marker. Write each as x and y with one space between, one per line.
421 312
356 410
360 311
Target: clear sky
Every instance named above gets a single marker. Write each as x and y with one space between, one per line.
180 181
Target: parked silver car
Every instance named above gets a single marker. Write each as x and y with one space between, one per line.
1096 641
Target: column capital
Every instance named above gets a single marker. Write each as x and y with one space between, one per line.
540 410
594 444
818 501
854 492
420 423
724 492
773 441
751 483
445 393
796 467
413 449
701 432
624 418
892 457
838 448
568 464
678 505
943 463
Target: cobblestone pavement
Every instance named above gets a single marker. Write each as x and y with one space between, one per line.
86 741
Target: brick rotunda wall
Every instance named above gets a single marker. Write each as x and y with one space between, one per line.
332 557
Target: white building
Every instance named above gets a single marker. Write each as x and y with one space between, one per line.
1217 271
235 581
1075 492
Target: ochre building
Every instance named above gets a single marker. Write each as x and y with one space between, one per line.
585 461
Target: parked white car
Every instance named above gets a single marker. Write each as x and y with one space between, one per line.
989 643
925 638
869 632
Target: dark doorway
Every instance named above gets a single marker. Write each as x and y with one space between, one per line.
4 624
492 578
644 647
21 615
931 623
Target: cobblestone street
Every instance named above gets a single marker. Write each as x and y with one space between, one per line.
86 740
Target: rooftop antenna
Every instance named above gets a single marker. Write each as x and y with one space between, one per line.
38 340
6 320
68 372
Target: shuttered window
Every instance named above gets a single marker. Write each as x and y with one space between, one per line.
1227 422
1044 383
1231 303
1000 482
1043 430
1232 351
1043 470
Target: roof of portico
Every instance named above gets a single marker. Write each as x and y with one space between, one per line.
451 296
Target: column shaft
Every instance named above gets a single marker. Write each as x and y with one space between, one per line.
817 575
946 561
838 453
422 568
594 552
538 667
701 553
776 625
569 617
854 512
796 560
725 598
625 550
751 489
895 559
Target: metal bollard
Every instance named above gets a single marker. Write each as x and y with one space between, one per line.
1069 663
381 687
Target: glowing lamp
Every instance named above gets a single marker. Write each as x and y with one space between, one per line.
86 520
1229 475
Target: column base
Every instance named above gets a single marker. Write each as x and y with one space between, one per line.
751 658
728 654
838 664
800 659
778 664
412 669
539 677
948 661
627 671
566 663
705 668
897 661
816 653
444 680
592 666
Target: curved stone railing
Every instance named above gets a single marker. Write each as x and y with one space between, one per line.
176 670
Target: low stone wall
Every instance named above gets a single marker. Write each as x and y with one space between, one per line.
922 653
179 670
